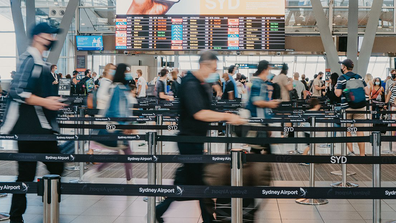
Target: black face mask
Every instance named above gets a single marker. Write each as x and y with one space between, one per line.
393 76
342 71
51 44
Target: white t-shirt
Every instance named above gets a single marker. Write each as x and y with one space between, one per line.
142 82
299 88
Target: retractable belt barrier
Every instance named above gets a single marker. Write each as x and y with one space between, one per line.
30 157
255 128
187 191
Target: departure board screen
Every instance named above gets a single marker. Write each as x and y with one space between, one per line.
205 25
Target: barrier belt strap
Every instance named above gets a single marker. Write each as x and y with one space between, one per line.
29 157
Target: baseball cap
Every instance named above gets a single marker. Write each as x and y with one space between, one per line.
347 62
44 28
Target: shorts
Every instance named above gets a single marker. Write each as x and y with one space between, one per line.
359 116
307 135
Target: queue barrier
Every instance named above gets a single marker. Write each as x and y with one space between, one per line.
190 191
195 158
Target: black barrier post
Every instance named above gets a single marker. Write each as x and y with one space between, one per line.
152 145
76 132
376 142
228 134
82 144
159 150
312 173
344 172
236 180
51 198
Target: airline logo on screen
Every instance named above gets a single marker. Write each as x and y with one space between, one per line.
242 7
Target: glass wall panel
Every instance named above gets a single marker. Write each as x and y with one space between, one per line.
7 44
6 66
97 20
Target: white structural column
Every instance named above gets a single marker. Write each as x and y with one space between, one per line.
21 39
325 34
30 15
369 37
352 49
65 26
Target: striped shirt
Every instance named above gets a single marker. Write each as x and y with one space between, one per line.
392 90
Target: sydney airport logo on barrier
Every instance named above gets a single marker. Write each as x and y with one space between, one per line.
301 193
60 158
22 187
142 158
165 191
390 193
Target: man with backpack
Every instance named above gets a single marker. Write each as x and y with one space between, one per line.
352 89
298 91
86 85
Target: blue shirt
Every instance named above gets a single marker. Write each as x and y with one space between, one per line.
260 91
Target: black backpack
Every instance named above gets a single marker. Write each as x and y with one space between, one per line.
277 91
80 86
293 95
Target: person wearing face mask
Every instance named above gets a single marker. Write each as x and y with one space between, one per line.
357 103
103 95
390 81
55 82
317 86
377 92
33 110
160 86
195 96
119 105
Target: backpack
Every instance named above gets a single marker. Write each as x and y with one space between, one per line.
293 95
80 86
277 91
89 85
354 92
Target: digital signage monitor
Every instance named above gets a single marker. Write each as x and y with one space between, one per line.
87 43
171 25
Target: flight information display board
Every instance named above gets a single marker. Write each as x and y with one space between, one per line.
200 32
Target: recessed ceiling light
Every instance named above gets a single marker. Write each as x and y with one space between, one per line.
338 16
83 24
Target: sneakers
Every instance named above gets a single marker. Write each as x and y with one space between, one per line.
4 217
351 154
3 194
304 164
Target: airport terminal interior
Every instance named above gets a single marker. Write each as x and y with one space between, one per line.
190 111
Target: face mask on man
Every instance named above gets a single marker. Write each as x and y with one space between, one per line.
128 76
112 72
270 76
342 71
393 76
50 45
213 78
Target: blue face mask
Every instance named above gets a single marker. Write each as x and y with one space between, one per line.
112 72
128 76
213 78
270 76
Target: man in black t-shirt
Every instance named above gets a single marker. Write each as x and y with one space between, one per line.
228 93
160 86
195 115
